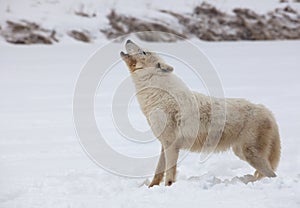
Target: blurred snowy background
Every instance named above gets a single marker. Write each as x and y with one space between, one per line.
50 21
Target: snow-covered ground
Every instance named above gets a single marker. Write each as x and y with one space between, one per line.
42 163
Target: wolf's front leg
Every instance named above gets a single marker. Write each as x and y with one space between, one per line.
171 154
160 169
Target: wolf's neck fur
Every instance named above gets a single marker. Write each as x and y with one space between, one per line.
162 90
165 92
153 78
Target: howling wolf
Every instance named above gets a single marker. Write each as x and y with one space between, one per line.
182 119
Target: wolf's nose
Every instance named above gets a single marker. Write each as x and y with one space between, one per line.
128 41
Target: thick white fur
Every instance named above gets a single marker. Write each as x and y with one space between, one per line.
182 119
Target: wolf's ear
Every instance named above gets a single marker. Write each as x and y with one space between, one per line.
123 55
164 67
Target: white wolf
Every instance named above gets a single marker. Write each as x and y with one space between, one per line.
182 119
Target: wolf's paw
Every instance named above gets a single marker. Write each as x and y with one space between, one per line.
153 183
169 182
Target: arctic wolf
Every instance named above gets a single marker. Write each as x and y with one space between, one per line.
183 119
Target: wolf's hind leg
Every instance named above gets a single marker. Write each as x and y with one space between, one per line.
259 162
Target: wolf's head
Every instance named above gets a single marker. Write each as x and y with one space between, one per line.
137 58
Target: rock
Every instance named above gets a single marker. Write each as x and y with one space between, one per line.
25 32
83 36
122 25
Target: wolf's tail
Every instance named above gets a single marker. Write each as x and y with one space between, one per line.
274 155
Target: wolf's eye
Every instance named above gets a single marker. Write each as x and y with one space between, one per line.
144 52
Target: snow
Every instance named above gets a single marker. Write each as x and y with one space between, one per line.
43 164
